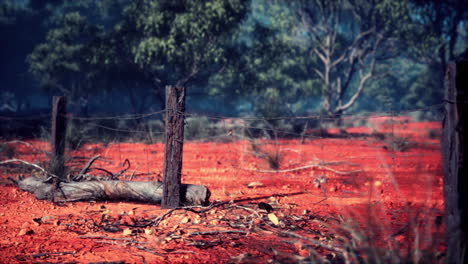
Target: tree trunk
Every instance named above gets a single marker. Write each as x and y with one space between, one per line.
455 153
174 142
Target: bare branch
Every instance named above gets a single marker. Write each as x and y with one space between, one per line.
363 78
116 175
29 164
320 74
321 56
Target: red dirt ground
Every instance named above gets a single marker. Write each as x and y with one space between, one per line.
395 199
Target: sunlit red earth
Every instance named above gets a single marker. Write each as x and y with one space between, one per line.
394 197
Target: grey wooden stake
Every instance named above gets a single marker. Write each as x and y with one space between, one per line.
58 131
174 142
455 154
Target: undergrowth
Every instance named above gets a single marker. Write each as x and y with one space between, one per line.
7 150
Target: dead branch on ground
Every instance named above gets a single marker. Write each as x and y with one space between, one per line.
146 192
313 165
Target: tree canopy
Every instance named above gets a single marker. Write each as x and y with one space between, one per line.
269 58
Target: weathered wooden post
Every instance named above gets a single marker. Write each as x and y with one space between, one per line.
58 131
174 142
455 153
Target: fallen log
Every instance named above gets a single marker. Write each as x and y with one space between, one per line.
146 192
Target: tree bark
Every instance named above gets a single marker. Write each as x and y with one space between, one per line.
455 153
174 142
146 192
58 132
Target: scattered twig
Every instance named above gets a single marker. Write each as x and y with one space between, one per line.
106 237
133 173
86 168
216 232
247 209
181 252
122 171
128 241
339 250
159 219
106 171
320 201
306 167
52 253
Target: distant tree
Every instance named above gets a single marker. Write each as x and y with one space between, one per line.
437 33
61 63
179 42
265 74
338 52
350 40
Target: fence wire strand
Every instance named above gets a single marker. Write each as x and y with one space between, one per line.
257 138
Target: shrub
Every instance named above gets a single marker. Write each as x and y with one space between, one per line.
197 127
7 150
400 144
155 131
270 154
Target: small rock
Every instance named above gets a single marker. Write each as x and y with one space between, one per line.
185 220
25 231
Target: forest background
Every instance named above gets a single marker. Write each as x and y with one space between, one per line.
236 58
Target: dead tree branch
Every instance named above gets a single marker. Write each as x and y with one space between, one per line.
86 168
147 192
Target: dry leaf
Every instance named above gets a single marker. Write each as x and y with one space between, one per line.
127 232
148 231
273 218
254 184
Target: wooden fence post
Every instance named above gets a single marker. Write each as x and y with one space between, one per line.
455 154
57 141
174 142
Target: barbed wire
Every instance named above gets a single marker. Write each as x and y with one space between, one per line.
123 117
32 117
225 123
325 117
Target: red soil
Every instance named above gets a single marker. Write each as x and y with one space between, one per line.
396 198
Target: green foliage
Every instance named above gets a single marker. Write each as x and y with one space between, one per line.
265 62
61 62
7 13
176 41
243 52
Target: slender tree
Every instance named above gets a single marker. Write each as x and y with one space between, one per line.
349 39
